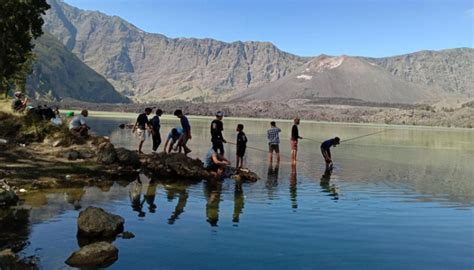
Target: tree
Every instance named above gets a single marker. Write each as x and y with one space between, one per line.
20 22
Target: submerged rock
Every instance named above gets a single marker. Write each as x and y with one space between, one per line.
128 235
100 254
127 157
106 153
95 222
174 165
9 261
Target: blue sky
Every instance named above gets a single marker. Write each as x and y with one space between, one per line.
367 27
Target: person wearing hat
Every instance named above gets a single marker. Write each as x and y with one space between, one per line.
19 103
325 150
217 138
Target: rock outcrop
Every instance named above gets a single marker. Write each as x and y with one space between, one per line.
100 254
106 153
94 222
175 165
127 157
7 195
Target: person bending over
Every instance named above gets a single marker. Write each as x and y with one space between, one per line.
172 138
326 152
78 124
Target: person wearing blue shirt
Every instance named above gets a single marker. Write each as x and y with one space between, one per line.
172 138
326 152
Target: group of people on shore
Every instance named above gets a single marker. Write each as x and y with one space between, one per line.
215 160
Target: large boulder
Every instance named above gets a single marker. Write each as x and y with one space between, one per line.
97 223
106 153
100 254
7 195
175 165
127 157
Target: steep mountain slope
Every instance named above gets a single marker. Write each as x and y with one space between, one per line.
151 66
58 74
341 77
450 70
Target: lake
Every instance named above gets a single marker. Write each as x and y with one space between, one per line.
400 199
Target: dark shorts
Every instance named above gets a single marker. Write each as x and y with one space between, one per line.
241 151
274 147
218 146
326 154
213 168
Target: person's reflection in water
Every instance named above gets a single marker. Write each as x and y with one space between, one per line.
183 198
74 196
238 201
135 196
327 187
150 196
213 190
293 183
272 178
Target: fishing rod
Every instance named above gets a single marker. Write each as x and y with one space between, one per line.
351 139
261 150
366 135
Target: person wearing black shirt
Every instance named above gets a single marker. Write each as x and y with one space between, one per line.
217 138
155 130
186 135
294 139
140 127
326 152
241 146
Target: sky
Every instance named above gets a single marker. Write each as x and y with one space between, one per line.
374 28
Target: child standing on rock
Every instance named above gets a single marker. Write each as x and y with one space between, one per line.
241 146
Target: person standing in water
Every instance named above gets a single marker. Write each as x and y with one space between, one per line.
217 138
241 146
155 130
326 152
140 127
295 136
273 135
183 140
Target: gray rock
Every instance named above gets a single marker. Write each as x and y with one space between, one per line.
100 254
106 153
95 222
128 157
72 155
7 195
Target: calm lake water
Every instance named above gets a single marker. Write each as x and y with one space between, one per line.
402 199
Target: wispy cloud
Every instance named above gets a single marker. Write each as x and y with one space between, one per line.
470 13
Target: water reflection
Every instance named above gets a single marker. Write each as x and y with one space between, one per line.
293 186
150 196
239 201
212 191
326 187
272 179
136 196
182 200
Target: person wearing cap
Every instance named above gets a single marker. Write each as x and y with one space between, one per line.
78 124
183 140
326 152
140 127
217 138
20 102
295 136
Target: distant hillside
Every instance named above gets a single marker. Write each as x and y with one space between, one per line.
59 74
154 67
341 77
450 70
151 67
